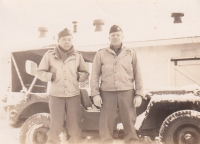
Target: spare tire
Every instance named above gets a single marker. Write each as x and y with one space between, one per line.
35 128
181 127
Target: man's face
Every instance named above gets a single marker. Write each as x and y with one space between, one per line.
116 38
65 42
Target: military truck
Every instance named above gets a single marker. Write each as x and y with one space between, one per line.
173 114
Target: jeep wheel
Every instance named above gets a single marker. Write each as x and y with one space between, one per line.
35 128
181 127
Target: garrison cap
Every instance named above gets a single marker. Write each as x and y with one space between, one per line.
63 33
115 28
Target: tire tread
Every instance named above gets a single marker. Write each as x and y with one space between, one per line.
29 123
173 117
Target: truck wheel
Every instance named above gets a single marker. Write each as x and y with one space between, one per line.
182 127
35 128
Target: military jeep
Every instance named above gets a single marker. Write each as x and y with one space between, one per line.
173 115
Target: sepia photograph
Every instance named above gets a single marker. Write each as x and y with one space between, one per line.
100 72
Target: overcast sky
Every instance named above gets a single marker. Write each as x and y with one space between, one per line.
140 20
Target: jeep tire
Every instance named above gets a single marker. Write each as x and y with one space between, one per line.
181 127
35 128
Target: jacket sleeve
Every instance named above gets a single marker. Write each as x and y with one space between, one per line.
82 70
96 73
43 70
137 76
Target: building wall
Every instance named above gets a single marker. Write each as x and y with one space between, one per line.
155 62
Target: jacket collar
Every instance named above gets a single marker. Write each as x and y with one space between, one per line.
122 54
123 48
56 53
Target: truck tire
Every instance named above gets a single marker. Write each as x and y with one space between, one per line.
181 127
35 128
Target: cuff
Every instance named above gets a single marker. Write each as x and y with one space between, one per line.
139 94
49 76
95 94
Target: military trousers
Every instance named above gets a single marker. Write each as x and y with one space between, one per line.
124 101
65 110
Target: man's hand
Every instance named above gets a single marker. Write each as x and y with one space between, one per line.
137 101
97 100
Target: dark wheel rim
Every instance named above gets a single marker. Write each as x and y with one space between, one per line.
188 135
38 134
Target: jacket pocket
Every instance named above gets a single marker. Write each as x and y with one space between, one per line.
73 86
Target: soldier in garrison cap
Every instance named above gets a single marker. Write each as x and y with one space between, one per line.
64 68
121 86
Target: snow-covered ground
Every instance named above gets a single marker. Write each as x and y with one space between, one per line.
8 134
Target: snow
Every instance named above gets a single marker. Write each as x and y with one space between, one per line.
189 97
172 88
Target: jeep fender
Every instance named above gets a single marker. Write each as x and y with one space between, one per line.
161 106
14 111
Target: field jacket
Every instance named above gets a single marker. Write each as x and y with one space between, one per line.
116 73
68 73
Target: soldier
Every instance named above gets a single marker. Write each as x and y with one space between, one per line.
64 67
118 70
